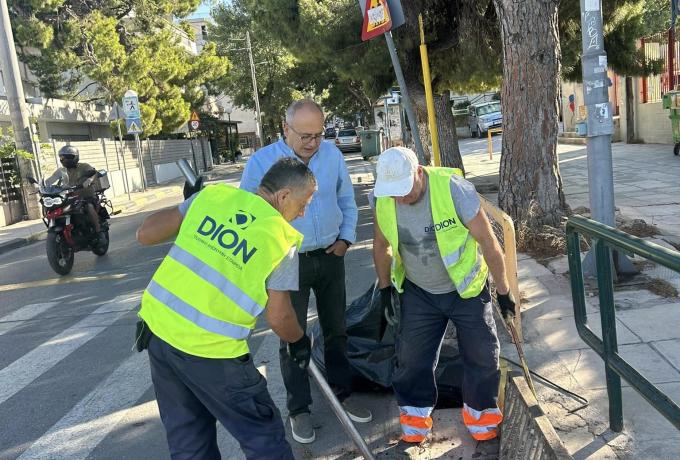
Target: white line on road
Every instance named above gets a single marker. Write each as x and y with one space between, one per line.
77 434
24 313
32 365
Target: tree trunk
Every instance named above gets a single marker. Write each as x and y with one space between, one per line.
530 188
630 111
446 127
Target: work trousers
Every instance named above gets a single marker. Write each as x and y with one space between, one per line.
424 317
325 275
193 392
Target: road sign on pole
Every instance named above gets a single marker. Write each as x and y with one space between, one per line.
377 19
194 121
133 125
131 105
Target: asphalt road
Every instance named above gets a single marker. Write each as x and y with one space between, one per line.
475 145
70 385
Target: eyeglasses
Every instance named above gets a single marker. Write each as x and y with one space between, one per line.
307 138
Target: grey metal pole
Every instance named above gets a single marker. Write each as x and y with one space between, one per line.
388 128
140 160
340 413
258 120
14 90
600 127
122 153
410 114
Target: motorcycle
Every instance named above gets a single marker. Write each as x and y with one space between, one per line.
69 228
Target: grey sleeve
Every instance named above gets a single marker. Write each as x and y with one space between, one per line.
184 205
285 276
465 199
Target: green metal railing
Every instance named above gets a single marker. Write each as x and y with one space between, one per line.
607 238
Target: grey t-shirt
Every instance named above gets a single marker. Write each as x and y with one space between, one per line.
417 240
285 276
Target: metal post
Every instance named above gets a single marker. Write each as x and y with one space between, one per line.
140 161
258 120
9 65
193 155
671 59
427 83
410 114
600 126
106 160
388 128
339 411
608 318
122 153
153 168
54 149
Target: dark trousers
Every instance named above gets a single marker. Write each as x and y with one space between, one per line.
325 275
193 392
424 317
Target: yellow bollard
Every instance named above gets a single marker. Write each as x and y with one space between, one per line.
427 83
489 142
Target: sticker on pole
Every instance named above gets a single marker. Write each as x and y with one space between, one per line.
194 121
377 19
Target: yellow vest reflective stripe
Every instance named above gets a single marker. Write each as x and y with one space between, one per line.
459 252
205 297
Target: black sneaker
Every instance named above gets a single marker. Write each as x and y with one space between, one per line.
302 429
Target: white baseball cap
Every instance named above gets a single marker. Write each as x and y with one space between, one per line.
395 172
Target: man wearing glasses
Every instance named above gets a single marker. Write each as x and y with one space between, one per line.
329 228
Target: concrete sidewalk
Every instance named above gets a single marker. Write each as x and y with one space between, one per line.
646 187
26 232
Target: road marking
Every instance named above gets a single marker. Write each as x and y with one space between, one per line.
24 313
32 365
77 434
54 281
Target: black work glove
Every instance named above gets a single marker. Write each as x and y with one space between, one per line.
387 303
507 306
189 190
301 351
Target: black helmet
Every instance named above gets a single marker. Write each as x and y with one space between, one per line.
69 156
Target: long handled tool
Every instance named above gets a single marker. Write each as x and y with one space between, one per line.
339 411
510 325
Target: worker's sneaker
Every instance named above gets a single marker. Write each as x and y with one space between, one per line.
302 429
356 411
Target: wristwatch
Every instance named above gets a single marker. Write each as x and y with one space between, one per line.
348 243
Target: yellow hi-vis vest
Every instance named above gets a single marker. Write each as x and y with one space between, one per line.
205 297
466 267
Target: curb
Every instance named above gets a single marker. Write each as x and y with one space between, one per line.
23 241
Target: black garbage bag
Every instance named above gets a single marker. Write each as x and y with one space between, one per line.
370 350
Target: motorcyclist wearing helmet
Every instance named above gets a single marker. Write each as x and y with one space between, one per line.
71 175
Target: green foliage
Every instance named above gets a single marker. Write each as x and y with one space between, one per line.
119 45
8 148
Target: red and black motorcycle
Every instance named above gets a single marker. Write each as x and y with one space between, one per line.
69 228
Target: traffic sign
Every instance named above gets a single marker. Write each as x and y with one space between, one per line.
396 12
133 125
131 105
377 19
194 121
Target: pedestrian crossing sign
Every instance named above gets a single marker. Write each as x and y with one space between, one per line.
377 19
133 125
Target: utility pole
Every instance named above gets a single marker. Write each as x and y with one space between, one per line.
18 112
258 115
600 128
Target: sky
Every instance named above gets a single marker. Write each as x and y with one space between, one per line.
203 11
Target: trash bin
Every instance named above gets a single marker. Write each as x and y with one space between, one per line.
371 143
671 100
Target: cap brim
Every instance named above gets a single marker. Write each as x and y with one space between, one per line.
397 188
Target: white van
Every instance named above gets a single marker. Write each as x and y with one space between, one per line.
482 117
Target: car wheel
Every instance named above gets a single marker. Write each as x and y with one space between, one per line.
480 132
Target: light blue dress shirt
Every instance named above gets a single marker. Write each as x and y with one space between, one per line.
332 214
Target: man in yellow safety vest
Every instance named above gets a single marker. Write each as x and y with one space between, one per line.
233 258
431 220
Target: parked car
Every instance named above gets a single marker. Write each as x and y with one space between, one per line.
329 133
348 140
482 117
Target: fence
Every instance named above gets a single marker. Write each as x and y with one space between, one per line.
608 239
128 171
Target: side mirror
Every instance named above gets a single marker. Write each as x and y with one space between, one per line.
32 180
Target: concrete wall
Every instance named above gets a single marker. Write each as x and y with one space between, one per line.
652 124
